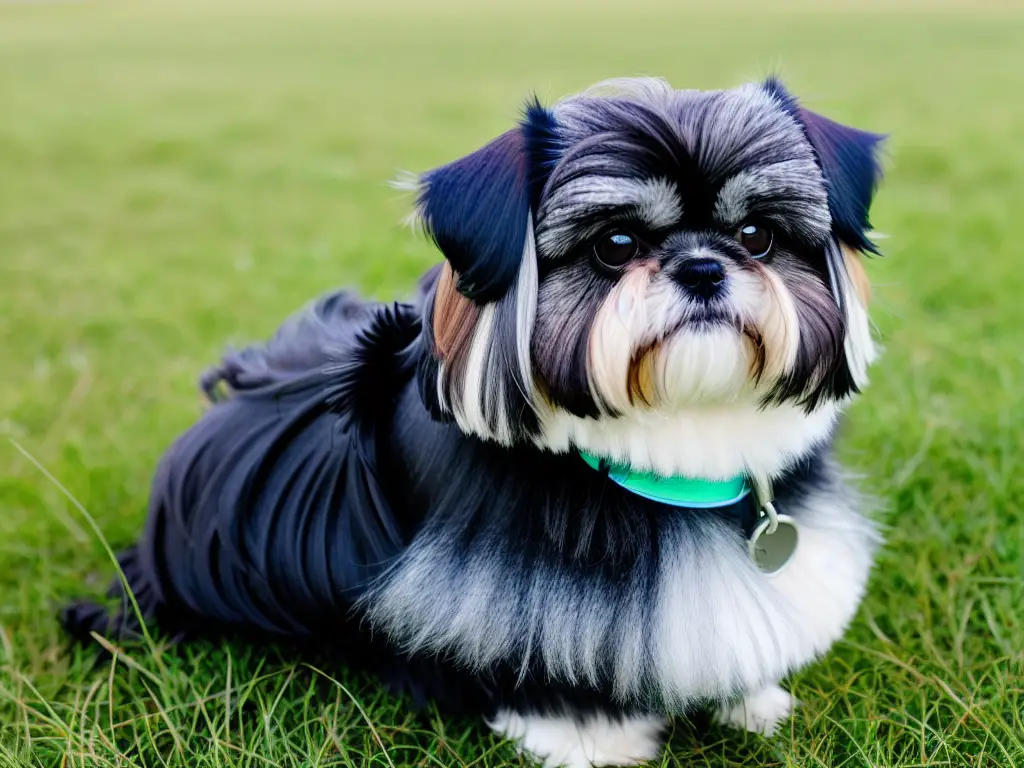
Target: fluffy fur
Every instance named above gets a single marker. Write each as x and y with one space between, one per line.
401 483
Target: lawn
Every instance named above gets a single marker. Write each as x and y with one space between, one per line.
175 177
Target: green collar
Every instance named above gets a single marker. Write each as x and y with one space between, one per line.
692 492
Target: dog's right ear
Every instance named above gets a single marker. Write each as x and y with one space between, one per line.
478 209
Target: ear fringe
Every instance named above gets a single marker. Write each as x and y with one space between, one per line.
408 182
849 285
482 373
405 181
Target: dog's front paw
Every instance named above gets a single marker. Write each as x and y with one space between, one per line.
595 741
760 712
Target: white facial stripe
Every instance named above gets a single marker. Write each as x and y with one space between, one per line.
655 202
797 182
526 307
658 203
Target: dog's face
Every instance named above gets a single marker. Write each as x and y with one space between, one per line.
641 250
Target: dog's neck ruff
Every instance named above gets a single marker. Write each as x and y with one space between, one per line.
676 491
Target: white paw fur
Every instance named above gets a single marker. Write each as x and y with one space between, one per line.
597 740
760 712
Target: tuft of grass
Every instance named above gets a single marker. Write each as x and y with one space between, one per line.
176 177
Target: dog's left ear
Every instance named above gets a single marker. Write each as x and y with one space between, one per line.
479 315
850 163
476 211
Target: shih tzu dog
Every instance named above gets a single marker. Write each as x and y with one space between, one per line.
584 479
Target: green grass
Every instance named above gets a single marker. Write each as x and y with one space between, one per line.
174 178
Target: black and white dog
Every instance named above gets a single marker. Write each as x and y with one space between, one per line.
584 479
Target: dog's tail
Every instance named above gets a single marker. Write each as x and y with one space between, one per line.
306 341
321 334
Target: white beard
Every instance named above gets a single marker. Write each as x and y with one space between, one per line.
708 366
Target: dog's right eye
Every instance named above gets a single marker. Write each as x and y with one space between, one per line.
616 248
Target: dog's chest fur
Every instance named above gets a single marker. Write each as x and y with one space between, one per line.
547 568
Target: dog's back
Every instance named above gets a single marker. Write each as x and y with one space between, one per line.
268 513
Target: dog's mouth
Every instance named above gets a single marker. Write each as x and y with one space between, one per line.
707 317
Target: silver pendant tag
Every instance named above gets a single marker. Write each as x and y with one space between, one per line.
771 549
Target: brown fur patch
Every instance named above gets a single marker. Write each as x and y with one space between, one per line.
640 378
455 316
858 275
760 357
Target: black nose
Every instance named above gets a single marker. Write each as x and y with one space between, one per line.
702 278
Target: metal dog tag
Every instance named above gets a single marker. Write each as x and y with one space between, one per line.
772 551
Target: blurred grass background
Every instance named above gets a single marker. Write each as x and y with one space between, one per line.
177 176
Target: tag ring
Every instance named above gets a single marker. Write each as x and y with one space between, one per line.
773 517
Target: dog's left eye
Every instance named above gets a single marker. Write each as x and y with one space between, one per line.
757 240
616 248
